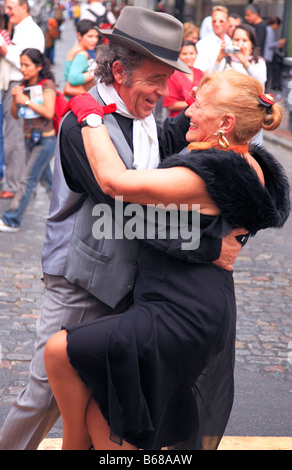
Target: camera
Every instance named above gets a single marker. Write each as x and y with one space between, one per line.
232 49
36 136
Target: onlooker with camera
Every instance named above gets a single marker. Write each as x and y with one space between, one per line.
39 132
209 46
243 56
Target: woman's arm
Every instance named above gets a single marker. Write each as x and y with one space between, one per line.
45 110
78 73
258 70
166 186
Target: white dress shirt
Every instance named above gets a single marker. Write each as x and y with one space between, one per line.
208 49
26 34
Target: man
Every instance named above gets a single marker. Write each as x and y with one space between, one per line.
252 16
208 47
274 54
233 20
26 34
98 13
88 276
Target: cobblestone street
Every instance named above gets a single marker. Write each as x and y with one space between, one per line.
263 278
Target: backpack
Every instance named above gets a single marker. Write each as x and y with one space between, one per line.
102 23
60 106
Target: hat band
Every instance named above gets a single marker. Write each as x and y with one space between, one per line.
159 51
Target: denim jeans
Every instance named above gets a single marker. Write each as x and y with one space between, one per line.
2 159
37 170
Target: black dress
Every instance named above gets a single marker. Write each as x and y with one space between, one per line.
162 372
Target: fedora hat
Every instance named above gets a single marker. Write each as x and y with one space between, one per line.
154 35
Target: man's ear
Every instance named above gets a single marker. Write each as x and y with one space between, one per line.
118 71
228 123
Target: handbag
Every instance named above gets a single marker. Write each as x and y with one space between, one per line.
70 90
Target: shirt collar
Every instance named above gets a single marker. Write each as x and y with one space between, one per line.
23 24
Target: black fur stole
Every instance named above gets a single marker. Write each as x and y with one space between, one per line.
236 189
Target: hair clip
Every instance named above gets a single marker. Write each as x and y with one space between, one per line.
266 100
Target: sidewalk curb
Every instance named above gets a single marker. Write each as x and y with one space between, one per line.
227 443
276 139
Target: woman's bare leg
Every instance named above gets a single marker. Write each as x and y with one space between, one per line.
70 392
99 430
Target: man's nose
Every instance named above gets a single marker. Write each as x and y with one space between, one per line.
163 89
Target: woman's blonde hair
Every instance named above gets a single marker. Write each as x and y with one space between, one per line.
237 93
189 28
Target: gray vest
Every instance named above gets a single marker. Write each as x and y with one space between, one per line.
107 267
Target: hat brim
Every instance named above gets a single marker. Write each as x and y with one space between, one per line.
134 46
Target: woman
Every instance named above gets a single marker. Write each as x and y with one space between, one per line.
35 101
78 78
191 32
52 33
180 84
162 372
247 60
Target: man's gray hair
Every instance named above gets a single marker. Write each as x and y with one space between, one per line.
252 8
111 52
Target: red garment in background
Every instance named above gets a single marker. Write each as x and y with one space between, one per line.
179 86
6 36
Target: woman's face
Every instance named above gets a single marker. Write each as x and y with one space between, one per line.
29 69
241 39
193 37
204 116
188 55
89 40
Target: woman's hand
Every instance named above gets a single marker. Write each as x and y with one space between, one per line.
18 95
243 57
85 104
222 53
191 96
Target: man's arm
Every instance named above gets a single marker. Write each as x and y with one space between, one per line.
76 168
11 54
171 135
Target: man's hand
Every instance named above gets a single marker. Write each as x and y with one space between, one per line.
230 249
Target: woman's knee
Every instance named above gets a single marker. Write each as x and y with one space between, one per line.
56 356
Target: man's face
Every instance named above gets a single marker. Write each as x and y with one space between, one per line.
219 22
231 25
149 84
250 17
15 11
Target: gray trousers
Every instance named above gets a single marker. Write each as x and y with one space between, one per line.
14 146
35 411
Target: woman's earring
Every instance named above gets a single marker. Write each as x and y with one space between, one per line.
223 142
